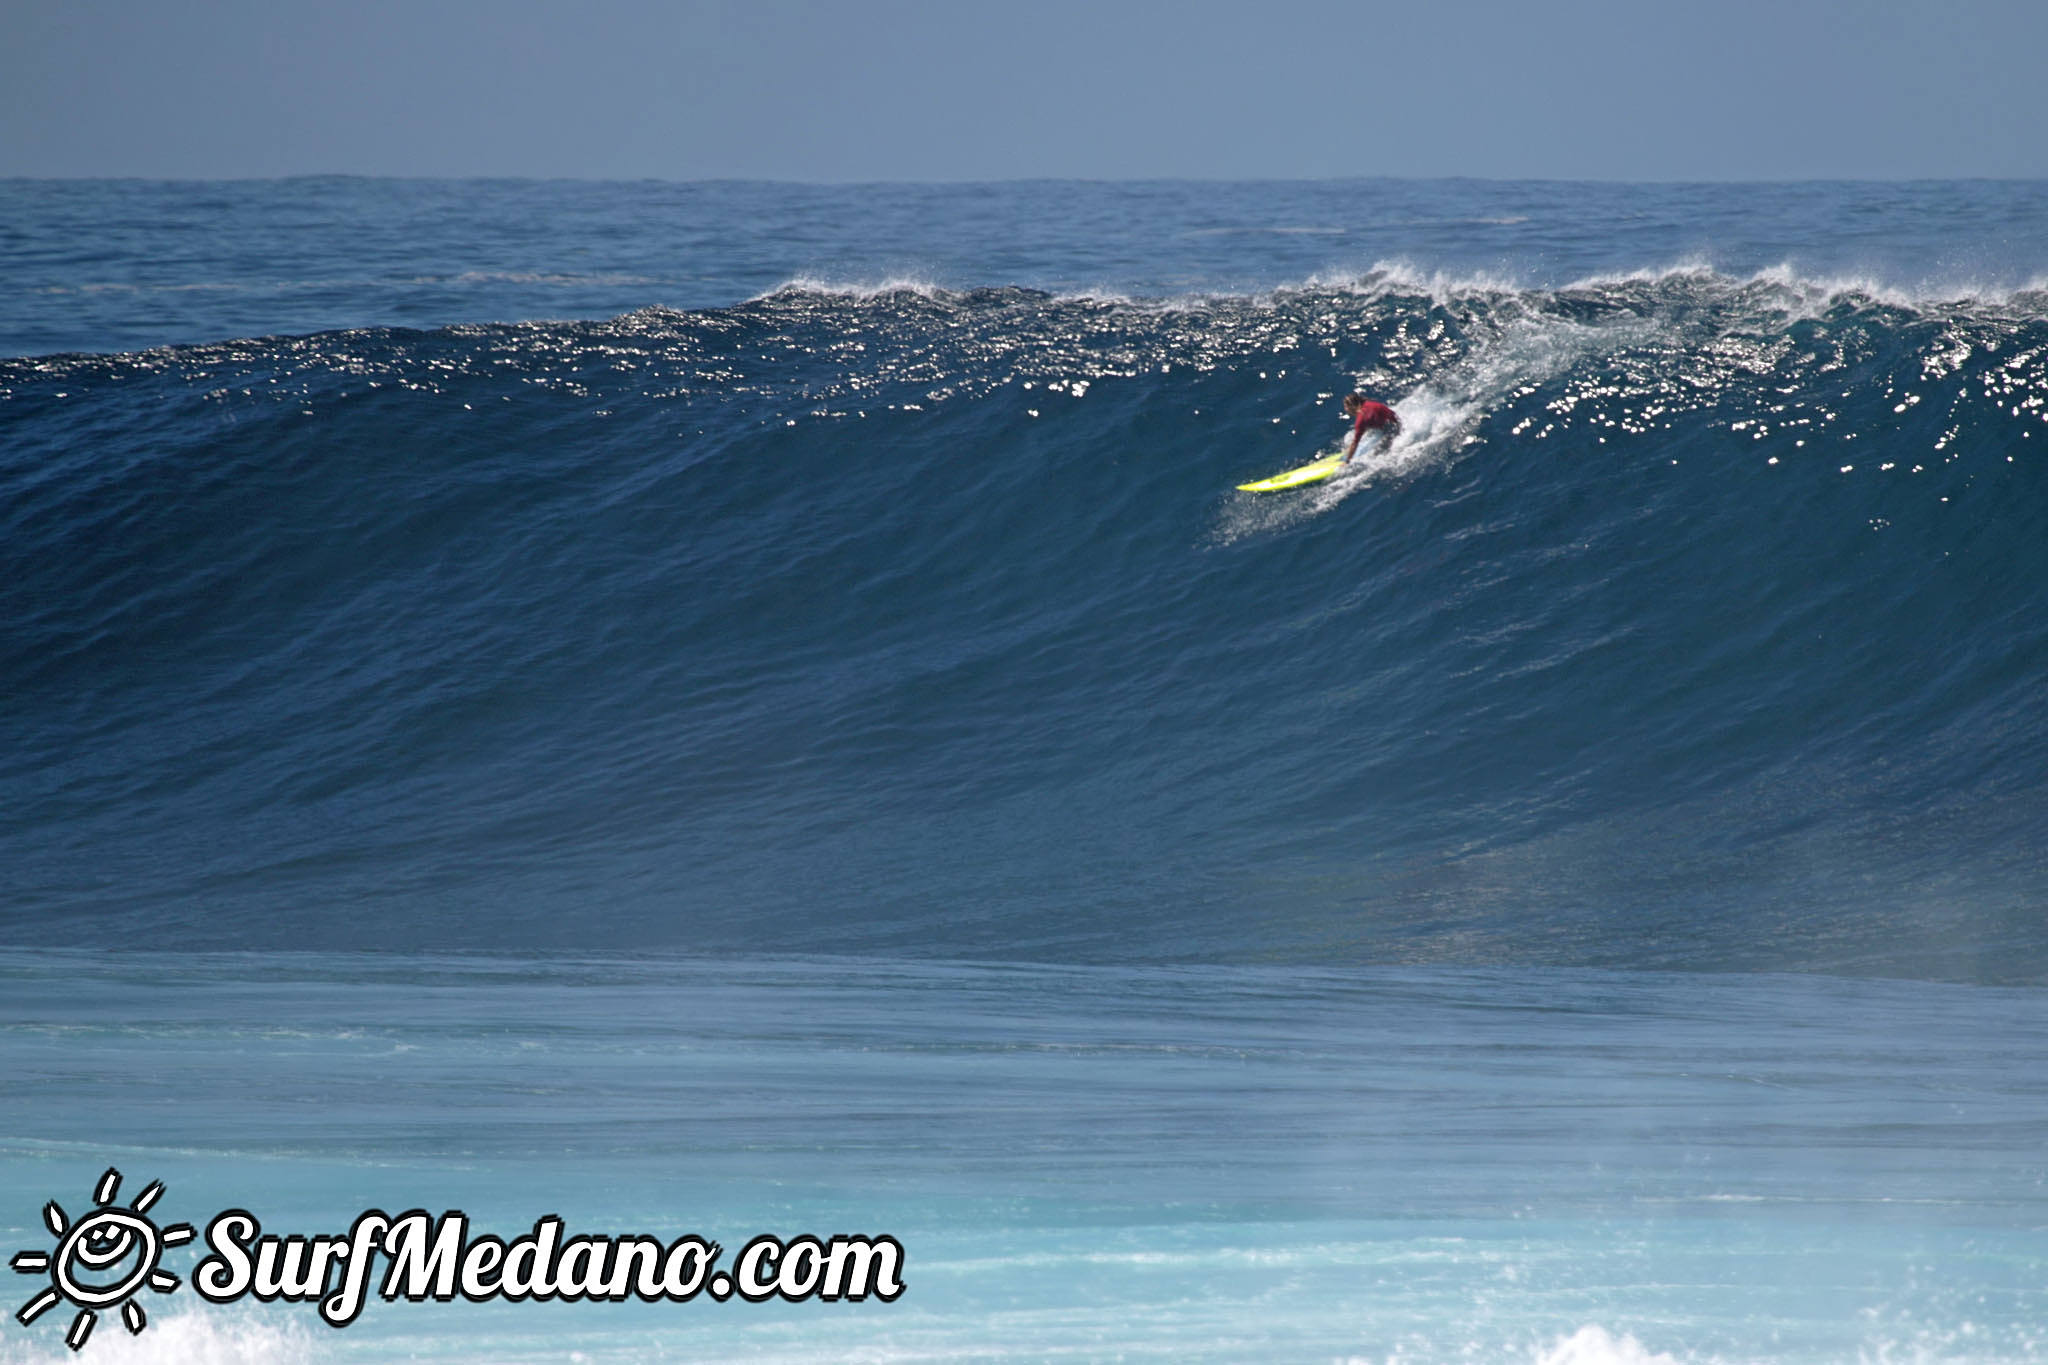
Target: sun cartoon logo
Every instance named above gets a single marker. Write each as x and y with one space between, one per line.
103 1259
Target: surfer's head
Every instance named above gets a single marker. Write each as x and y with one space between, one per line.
1352 403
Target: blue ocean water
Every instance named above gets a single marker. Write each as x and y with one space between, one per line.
745 708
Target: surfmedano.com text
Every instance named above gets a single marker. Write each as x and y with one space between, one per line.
438 1258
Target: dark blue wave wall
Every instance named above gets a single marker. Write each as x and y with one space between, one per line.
1693 622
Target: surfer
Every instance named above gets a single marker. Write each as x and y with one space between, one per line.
1366 415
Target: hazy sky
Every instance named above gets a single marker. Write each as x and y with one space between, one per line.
907 90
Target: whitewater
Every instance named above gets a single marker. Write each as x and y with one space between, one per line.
734 709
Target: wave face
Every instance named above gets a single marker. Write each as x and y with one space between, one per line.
1695 620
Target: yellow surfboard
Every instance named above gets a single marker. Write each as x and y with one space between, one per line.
1314 472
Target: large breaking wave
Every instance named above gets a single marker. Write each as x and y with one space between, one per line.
1694 620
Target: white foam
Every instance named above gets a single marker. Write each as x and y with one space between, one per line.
191 1338
1593 1345
1404 277
1099 294
1786 287
1807 292
859 291
1439 418
1803 291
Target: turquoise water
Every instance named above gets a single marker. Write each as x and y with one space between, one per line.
738 709
1158 1163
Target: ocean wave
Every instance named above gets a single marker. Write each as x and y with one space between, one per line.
914 619
810 286
1782 284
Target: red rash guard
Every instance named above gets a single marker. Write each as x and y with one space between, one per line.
1373 416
